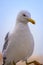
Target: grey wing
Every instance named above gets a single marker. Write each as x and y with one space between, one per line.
6 42
5 46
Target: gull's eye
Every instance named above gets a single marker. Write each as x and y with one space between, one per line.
24 15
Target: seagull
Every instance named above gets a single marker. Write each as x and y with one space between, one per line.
19 44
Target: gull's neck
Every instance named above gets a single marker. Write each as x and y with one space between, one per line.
21 25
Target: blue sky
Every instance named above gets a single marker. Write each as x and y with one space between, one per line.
8 13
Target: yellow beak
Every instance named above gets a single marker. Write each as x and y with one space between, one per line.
31 20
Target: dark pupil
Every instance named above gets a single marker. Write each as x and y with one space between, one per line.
24 15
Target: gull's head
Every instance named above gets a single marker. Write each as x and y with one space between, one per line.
25 17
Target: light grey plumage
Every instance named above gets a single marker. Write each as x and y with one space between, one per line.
20 43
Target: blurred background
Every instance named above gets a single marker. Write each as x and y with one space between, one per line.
8 12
